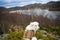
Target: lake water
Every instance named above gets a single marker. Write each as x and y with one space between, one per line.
44 13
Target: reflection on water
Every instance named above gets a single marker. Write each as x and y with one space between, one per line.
45 13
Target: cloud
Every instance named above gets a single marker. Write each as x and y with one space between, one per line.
17 3
7 3
45 1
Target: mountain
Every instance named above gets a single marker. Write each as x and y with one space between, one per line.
54 5
15 8
30 6
3 8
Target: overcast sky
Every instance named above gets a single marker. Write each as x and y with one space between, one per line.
12 3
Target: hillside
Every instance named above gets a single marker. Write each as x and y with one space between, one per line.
7 19
52 6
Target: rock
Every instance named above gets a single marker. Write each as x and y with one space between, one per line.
34 38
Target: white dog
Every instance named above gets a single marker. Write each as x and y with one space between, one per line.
31 28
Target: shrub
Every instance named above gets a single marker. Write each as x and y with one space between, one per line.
15 35
39 35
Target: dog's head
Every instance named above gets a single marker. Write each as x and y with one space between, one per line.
33 26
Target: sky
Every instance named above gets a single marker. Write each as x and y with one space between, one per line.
12 3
